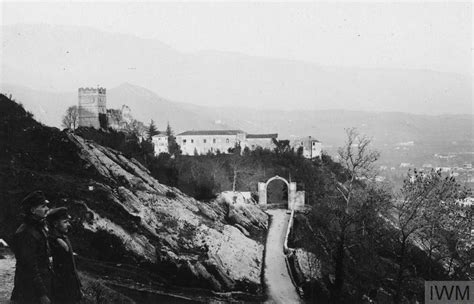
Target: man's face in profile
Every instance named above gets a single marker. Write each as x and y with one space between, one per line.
63 225
40 211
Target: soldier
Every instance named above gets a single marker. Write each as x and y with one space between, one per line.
66 284
33 272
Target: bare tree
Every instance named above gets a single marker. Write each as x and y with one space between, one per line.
137 128
358 160
115 118
425 208
71 118
357 157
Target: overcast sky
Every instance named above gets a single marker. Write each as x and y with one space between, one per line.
434 36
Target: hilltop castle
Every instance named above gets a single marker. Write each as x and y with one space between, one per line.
92 107
93 113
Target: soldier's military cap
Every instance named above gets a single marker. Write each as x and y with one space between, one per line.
57 214
34 199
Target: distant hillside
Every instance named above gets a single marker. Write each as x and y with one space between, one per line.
327 126
60 59
147 105
49 107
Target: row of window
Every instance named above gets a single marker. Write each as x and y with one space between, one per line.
314 143
205 141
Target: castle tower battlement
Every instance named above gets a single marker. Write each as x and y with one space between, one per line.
92 90
92 107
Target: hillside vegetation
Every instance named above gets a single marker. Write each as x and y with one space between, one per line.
123 216
372 241
139 211
369 242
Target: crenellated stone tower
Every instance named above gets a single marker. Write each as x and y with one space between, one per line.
92 107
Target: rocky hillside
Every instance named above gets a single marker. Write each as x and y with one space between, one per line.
122 215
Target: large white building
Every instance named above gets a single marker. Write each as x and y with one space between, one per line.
209 141
265 141
214 141
199 142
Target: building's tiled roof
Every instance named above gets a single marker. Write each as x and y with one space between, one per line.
305 139
160 135
211 132
273 135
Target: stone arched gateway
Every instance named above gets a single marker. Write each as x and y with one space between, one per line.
295 198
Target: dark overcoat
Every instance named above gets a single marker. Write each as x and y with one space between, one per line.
33 273
66 283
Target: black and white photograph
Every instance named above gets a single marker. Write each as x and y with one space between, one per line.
236 152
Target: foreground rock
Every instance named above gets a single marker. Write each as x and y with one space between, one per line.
306 265
161 226
243 212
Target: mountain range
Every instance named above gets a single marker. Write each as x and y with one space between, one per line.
64 58
42 67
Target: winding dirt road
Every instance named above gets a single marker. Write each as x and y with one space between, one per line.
277 279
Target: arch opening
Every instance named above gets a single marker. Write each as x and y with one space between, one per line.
277 193
291 192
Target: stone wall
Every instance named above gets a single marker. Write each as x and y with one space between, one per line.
299 200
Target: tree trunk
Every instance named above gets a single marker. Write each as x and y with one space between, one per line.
451 259
430 266
401 269
234 181
339 270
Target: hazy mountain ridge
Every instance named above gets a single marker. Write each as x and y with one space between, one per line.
33 57
49 107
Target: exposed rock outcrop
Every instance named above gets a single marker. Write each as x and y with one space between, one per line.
191 237
243 211
306 265
122 215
